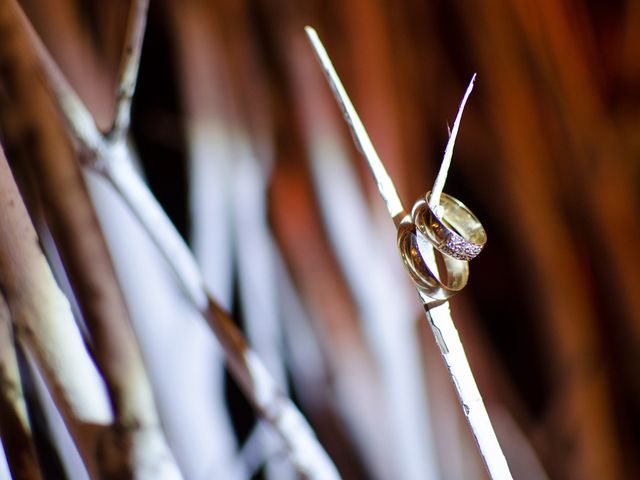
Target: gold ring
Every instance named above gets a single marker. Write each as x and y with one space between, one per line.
427 281
454 230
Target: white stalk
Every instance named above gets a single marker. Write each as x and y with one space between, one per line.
472 405
209 203
256 276
379 299
43 323
4 466
305 451
449 341
441 178
181 353
62 440
441 320
15 427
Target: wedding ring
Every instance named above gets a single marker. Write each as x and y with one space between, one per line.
428 282
452 229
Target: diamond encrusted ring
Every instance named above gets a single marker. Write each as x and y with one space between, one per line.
452 229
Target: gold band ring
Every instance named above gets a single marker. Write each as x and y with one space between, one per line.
427 281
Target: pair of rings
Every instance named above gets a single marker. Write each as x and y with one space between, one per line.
454 231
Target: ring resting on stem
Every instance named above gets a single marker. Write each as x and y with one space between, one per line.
415 246
455 232
451 227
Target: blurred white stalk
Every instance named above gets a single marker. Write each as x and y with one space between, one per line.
318 358
387 319
4 467
225 211
60 437
182 355
209 155
305 452
44 325
306 361
210 177
256 278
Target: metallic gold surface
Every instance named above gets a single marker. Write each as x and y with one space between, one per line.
454 230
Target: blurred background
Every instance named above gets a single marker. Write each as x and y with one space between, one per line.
240 139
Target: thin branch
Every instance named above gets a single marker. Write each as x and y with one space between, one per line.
452 351
129 67
440 317
306 453
15 429
78 116
441 178
362 140
136 446
44 324
113 161
409 442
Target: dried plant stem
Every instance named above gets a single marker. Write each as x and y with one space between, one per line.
448 339
441 320
210 156
128 75
137 446
305 452
441 178
44 324
363 142
452 351
204 90
227 195
409 441
111 158
15 429
83 124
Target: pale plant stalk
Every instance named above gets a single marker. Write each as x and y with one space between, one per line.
229 193
135 443
15 427
440 317
204 92
209 160
441 178
316 360
4 465
128 74
110 158
62 441
257 283
450 346
408 443
361 138
44 325
181 352
305 452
